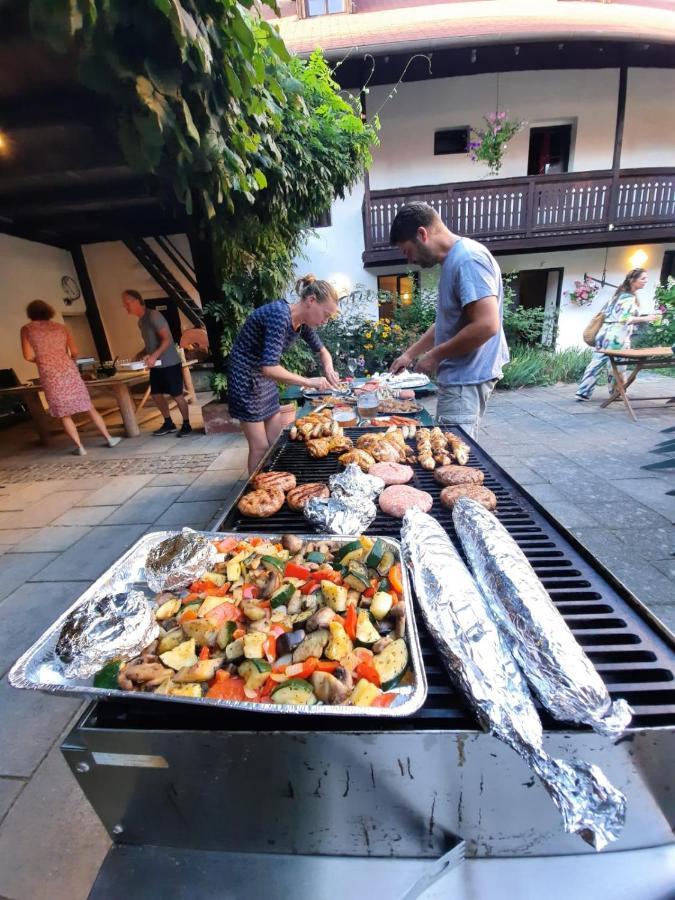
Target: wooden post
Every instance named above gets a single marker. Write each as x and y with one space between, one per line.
618 143
91 306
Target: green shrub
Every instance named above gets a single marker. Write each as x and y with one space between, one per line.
535 366
660 334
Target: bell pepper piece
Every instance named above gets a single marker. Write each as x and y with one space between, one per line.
240 632
383 700
395 578
326 665
326 575
249 592
255 541
204 653
226 545
303 669
224 612
350 622
187 616
369 672
270 645
225 687
207 587
310 587
293 570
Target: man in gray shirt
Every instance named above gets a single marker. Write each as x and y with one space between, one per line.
465 347
166 379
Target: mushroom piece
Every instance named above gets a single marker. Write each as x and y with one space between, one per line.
345 676
271 584
320 619
294 605
379 646
329 689
292 543
397 613
146 674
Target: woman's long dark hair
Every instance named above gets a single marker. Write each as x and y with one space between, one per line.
625 286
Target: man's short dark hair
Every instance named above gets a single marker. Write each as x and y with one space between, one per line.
411 217
131 293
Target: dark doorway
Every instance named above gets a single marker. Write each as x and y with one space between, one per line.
549 150
400 288
540 289
170 312
668 267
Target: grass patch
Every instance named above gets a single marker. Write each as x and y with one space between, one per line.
535 366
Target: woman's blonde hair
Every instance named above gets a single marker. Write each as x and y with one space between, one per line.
311 286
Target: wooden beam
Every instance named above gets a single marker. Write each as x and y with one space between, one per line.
620 118
93 312
208 282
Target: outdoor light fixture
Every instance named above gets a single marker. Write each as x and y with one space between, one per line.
4 144
638 259
474 55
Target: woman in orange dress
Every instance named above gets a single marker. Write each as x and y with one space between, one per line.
51 347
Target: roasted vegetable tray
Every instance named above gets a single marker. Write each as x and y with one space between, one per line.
40 668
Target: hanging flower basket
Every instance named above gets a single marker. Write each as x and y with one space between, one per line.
488 145
584 292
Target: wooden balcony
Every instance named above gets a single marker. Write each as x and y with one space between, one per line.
540 212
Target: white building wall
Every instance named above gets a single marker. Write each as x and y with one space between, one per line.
649 129
112 269
30 271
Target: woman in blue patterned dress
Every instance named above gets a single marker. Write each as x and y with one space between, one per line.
621 313
254 364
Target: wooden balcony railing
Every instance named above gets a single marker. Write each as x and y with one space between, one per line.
544 209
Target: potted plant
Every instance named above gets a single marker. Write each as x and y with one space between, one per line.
215 413
584 292
489 144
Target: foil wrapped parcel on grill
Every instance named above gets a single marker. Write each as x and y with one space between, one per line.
553 662
353 481
479 661
349 514
104 628
179 560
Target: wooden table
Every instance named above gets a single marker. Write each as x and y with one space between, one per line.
640 359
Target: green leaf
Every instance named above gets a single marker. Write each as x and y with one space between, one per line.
192 130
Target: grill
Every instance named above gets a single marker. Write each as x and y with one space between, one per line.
635 659
407 788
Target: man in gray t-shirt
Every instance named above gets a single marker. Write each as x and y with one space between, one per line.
465 347
166 379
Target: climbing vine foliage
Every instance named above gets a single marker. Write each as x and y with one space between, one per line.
253 142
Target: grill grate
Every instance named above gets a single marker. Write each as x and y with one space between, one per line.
634 660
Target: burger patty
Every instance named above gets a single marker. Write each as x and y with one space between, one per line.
397 498
392 472
458 475
298 496
261 503
283 481
451 494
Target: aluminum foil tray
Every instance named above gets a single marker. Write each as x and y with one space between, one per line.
39 668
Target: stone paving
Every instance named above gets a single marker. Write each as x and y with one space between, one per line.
70 518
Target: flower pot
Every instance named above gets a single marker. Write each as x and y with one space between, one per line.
217 419
288 412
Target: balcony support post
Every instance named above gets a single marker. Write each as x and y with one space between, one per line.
612 211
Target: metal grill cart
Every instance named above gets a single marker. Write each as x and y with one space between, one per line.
315 800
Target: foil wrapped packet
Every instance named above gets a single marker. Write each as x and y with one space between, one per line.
346 515
103 629
353 482
553 662
179 560
482 666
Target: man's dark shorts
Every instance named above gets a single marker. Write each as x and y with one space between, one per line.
167 380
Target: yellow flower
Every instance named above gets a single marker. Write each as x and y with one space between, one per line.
367 346
368 335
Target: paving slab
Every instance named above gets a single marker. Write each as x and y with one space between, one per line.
92 554
51 538
42 512
172 478
84 516
218 484
11 536
192 515
649 543
651 492
15 568
29 611
31 722
569 514
667 566
51 842
117 490
10 788
145 506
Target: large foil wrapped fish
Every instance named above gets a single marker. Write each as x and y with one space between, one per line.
553 662
179 560
104 628
481 664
